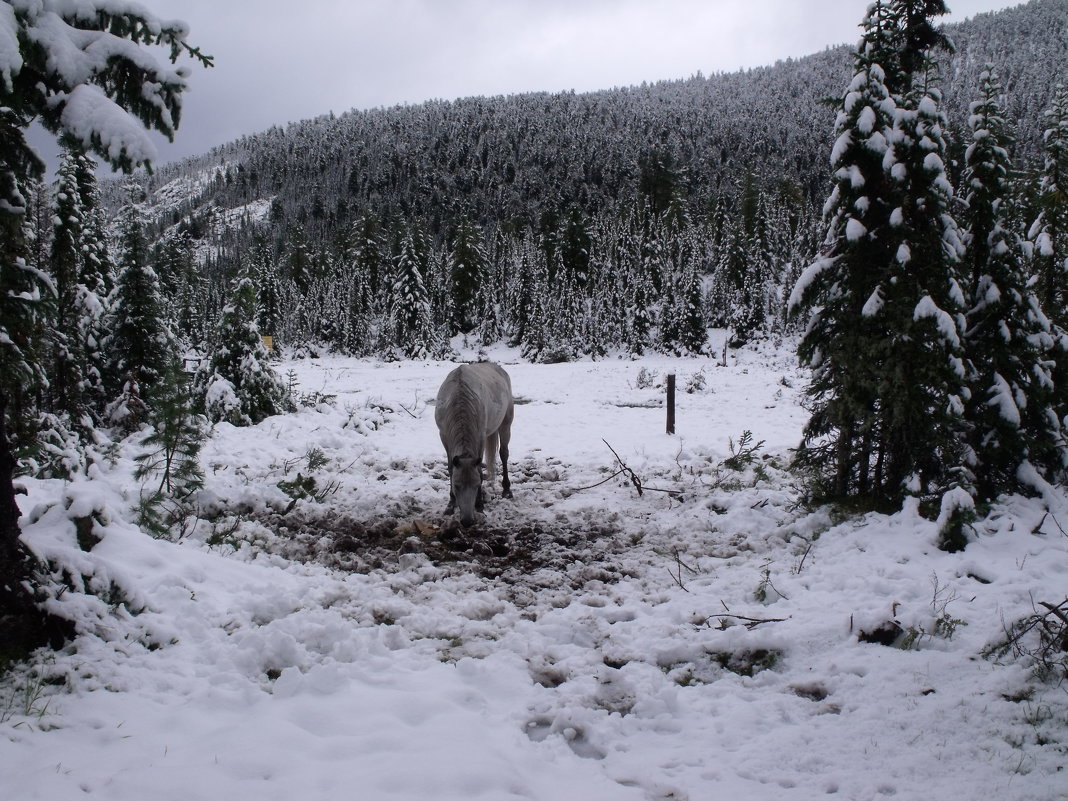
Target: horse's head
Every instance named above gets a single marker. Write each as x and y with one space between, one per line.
466 476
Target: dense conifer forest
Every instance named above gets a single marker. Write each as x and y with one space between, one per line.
571 224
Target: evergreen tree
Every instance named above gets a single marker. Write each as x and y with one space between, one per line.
467 267
140 344
95 282
661 183
923 305
693 331
883 338
96 270
410 313
636 258
173 256
301 263
264 272
1049 232
748 268
521 290
1049 238
42 77
841 344
236 384
67 369
1015 429
491 296
195 308
367 258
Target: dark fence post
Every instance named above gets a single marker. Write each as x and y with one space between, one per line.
671 403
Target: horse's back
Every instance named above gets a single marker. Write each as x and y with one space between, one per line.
486 381
492 376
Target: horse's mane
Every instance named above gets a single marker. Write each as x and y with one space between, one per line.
463 416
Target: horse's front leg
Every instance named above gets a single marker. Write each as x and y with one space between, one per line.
452 496
480 499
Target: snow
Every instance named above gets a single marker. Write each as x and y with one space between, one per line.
10 56
271 654
928 107
877 143
1001 396
855 229
927 308
874 304
88 112
841 145
866 120
932 162
804 281
853 174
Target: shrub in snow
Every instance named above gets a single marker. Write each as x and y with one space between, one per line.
59 450
169 466
128 412
696 382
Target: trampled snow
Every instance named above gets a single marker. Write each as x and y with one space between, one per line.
700 640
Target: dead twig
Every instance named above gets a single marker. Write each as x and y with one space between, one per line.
1059 526
679 565
1038 529
804 556
637 482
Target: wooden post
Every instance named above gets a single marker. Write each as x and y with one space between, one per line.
671 403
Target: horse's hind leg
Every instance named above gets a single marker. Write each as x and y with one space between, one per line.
505 435
489 458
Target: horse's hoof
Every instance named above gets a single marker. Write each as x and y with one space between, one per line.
507 494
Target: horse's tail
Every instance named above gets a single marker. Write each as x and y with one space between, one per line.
489 458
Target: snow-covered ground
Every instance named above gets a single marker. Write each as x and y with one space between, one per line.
701 640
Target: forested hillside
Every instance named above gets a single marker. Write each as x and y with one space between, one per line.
572 224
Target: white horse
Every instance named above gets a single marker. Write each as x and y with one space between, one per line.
474 415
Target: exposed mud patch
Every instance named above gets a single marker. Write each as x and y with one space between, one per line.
528 553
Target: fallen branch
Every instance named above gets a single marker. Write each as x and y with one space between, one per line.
1041 638
1057 611
748 622
599 483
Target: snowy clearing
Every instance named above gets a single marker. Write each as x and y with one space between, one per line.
701 640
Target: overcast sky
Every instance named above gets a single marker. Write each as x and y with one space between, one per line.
277 61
